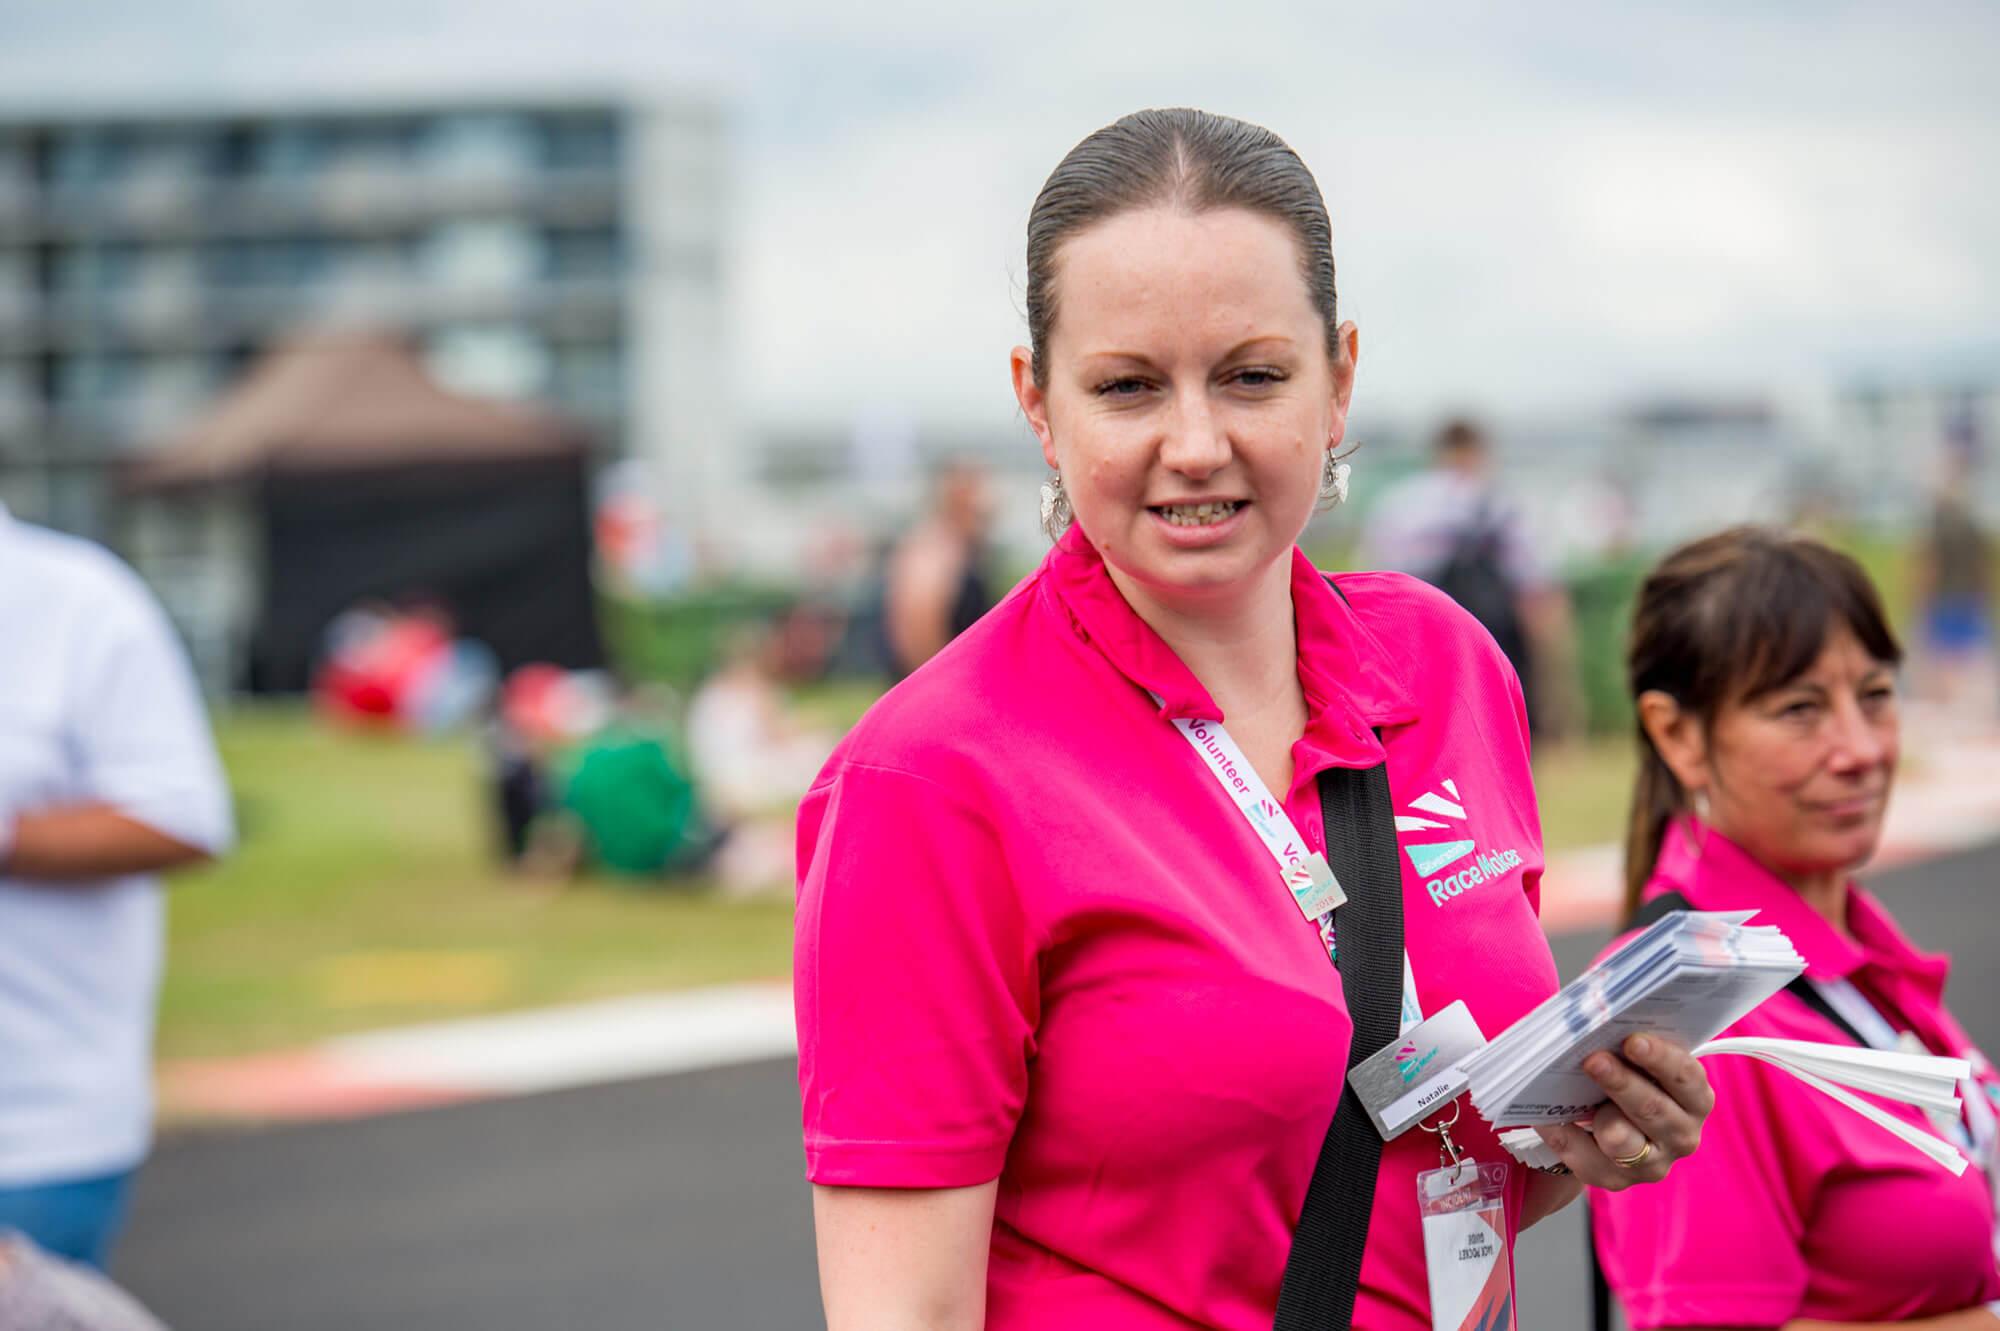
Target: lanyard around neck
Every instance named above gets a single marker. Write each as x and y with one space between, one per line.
1304 871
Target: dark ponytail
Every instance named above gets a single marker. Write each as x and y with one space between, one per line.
1723 620
1656 798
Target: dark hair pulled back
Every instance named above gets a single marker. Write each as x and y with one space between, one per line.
1177 158
1727 619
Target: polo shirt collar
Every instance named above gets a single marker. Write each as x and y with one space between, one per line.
1714 873
1351 684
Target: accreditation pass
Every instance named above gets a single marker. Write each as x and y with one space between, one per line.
1464 1210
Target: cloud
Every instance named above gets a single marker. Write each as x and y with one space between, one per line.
1533 204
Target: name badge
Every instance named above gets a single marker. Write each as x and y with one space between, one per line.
1417 1073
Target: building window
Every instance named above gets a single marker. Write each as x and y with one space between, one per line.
580 141
587 252
478 145
287 151
92 271
588 377
94 385
490 361
481 255
267 261
89 155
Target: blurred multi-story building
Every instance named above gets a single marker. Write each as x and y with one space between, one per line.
569 251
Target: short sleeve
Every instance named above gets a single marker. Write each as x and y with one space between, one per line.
142 739
1718 1242
915 981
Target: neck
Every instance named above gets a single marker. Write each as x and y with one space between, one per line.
1242 646
1826 893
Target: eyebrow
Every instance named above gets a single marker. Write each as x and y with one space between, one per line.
1272 341
1880 672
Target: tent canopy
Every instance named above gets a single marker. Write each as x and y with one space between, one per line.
344 401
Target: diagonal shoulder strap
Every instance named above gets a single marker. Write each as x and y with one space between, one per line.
1323 1273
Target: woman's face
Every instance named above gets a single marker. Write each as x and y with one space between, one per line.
1189 399
1800 777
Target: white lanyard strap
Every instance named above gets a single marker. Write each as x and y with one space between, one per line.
1306 874
1855 1009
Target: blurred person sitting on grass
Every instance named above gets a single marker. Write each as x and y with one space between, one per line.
585 777
43 1293
108 776
753 758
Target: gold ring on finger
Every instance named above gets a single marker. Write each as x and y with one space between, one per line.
1637 1158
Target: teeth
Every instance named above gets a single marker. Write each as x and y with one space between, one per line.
1199 515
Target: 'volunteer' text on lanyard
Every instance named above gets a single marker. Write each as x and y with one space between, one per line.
1305 872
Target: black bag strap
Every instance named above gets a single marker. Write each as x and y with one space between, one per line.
1801 988
1323 1272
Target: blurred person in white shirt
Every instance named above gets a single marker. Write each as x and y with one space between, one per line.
108 777
1453 526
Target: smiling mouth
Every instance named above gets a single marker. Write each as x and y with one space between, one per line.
1199 515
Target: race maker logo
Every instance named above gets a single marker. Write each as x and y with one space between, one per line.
1437 852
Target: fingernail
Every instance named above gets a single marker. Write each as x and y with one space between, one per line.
1598 1064
1641 1046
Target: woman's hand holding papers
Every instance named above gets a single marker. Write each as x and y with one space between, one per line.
1659 1098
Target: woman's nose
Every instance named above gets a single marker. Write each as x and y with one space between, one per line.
1195 443
1860 741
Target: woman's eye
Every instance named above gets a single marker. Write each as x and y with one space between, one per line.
1259 378
1799 711
1127 387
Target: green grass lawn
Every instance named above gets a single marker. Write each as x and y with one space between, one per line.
364 894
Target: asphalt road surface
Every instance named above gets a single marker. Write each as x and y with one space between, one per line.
675 1203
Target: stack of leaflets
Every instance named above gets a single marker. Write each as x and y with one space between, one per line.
1690 975
1685 978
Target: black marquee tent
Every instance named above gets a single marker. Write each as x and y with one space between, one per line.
363 480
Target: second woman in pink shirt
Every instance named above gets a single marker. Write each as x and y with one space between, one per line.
1763 671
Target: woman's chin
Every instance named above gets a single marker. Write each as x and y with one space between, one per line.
1841 850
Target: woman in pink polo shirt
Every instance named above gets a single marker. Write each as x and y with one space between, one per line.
1764 675
1069 1049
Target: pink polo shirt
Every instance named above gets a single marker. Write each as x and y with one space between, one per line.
1796 1206
1037 943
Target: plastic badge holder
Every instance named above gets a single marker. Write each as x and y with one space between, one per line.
1464 1211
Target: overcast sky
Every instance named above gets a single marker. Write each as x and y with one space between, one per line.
1535 205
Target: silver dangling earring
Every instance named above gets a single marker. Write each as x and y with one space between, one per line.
1701 805
1056 514
1333 480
